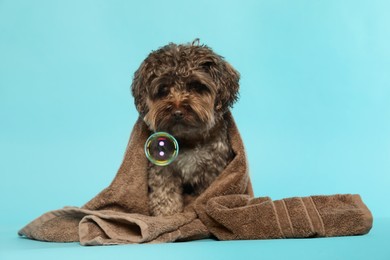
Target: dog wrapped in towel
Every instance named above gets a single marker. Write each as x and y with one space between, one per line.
206 192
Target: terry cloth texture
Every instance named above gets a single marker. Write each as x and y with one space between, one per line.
227 210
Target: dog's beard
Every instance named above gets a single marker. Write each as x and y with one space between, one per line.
197 119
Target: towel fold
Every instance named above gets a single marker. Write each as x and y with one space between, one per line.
226 210
243 217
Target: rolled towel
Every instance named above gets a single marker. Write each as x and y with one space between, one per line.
243 217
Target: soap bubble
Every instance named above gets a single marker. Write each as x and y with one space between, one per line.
161 148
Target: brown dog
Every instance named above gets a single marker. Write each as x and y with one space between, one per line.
186 90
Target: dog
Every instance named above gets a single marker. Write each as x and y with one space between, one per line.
186 90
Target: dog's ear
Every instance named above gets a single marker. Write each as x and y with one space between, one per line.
226 78
139 87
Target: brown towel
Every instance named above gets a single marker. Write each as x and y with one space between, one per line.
226 210
243 217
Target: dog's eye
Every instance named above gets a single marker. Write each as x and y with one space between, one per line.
162 91
197 87
206 65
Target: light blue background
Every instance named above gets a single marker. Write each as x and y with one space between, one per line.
315 93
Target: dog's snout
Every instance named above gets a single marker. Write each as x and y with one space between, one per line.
178 114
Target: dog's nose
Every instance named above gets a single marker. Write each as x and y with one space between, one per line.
178 114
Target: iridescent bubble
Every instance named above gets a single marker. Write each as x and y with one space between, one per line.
161 148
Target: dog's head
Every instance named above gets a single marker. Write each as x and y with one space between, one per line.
184 89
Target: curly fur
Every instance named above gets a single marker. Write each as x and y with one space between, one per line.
186 90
